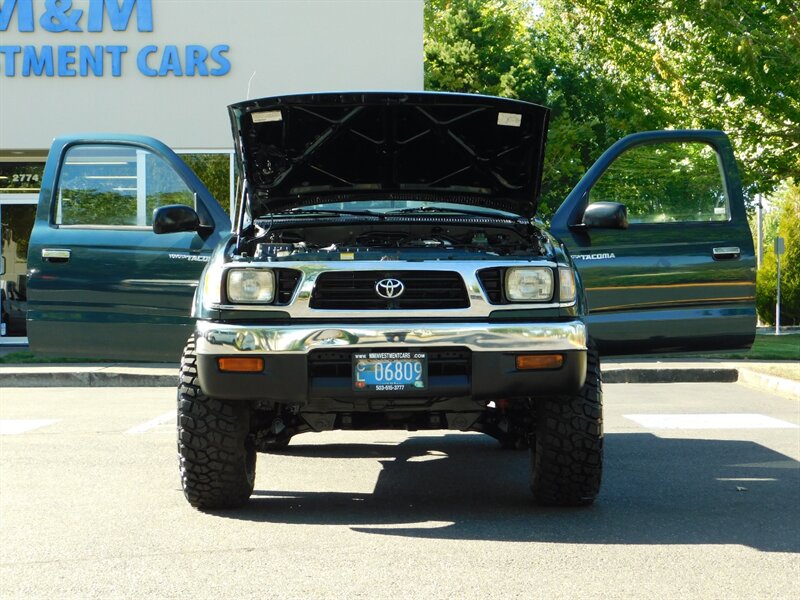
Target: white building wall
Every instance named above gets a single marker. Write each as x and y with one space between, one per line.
275 47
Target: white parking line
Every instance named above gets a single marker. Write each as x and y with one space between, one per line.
15 426
165 418
710 421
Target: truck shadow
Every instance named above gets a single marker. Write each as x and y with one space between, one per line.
656 491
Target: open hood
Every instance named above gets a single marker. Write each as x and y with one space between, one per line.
333 147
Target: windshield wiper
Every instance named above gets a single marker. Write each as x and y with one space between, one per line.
445 210
299 210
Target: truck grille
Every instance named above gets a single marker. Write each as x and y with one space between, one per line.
492 282
286 281
355 290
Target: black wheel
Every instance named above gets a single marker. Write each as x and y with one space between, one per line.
216 451
567 450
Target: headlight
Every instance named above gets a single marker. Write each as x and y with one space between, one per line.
529 284
251 285
566 285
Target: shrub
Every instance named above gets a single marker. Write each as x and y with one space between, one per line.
787 200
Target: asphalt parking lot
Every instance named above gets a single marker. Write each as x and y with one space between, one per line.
701 498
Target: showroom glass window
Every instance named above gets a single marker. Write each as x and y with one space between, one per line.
19 189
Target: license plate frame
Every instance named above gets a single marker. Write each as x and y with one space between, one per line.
398 371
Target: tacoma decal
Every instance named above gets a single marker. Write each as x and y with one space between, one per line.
189 257
598 256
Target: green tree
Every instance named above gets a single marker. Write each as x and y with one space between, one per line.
787 200
607 68
213 170
727 64
478 46
769 225
505 48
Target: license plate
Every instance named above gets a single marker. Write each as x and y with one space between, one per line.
390 371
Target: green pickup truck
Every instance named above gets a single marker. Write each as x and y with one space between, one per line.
385 269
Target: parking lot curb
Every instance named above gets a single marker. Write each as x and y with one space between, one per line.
87 379
88 375
670 375
777 385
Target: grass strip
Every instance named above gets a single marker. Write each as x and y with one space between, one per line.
765 347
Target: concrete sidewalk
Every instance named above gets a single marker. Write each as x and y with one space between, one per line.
614 371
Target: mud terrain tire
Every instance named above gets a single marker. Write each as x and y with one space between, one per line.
215 449
567 450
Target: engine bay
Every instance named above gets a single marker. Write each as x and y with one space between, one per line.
386 239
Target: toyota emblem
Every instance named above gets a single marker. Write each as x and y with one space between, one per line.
389 288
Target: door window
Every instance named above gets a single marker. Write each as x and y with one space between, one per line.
110 185
214 170
666 183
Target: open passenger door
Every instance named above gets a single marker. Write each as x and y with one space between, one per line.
658 232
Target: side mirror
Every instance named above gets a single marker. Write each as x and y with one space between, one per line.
608 215
174 218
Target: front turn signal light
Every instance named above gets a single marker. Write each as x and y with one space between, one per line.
241 364
533 362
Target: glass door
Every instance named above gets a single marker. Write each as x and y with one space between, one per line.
20 178
16 222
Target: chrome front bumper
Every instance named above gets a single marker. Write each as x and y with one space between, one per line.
218 339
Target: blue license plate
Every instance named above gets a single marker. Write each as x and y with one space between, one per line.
390 371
